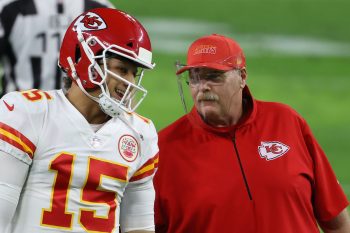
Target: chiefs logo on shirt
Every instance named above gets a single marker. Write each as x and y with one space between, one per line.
272 150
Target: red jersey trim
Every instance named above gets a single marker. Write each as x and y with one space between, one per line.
147 169
16 139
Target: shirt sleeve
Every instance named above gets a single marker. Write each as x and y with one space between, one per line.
13 174
18 135
329 198
137 205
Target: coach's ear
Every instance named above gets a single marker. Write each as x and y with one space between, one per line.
243 77
244 73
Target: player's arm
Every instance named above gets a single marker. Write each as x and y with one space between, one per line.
13 174
339 224
137 214
137 204
17 134
137 207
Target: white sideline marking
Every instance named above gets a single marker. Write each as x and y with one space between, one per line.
173 36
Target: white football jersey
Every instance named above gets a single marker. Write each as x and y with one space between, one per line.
31 32
77 178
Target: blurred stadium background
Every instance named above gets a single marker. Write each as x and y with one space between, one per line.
298 52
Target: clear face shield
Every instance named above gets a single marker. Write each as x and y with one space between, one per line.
183 88
192 79
216 94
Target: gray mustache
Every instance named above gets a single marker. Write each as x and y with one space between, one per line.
207 96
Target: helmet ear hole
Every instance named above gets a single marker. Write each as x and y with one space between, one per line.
77 54
94 74
130 44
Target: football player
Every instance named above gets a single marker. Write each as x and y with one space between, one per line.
82 160
30 35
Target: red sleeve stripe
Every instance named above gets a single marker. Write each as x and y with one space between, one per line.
150 161
143 175
16 139
147 169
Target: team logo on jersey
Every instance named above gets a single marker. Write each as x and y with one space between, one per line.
272 150
90 22
128 147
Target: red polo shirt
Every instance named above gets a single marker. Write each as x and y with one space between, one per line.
266 174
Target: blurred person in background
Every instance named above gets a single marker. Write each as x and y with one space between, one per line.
30 35
237 164
82 160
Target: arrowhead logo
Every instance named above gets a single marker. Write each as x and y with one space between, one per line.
90 22
9 107
272 150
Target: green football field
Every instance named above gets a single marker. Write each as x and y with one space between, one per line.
298 52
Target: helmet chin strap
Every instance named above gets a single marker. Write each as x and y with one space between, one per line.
108 106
